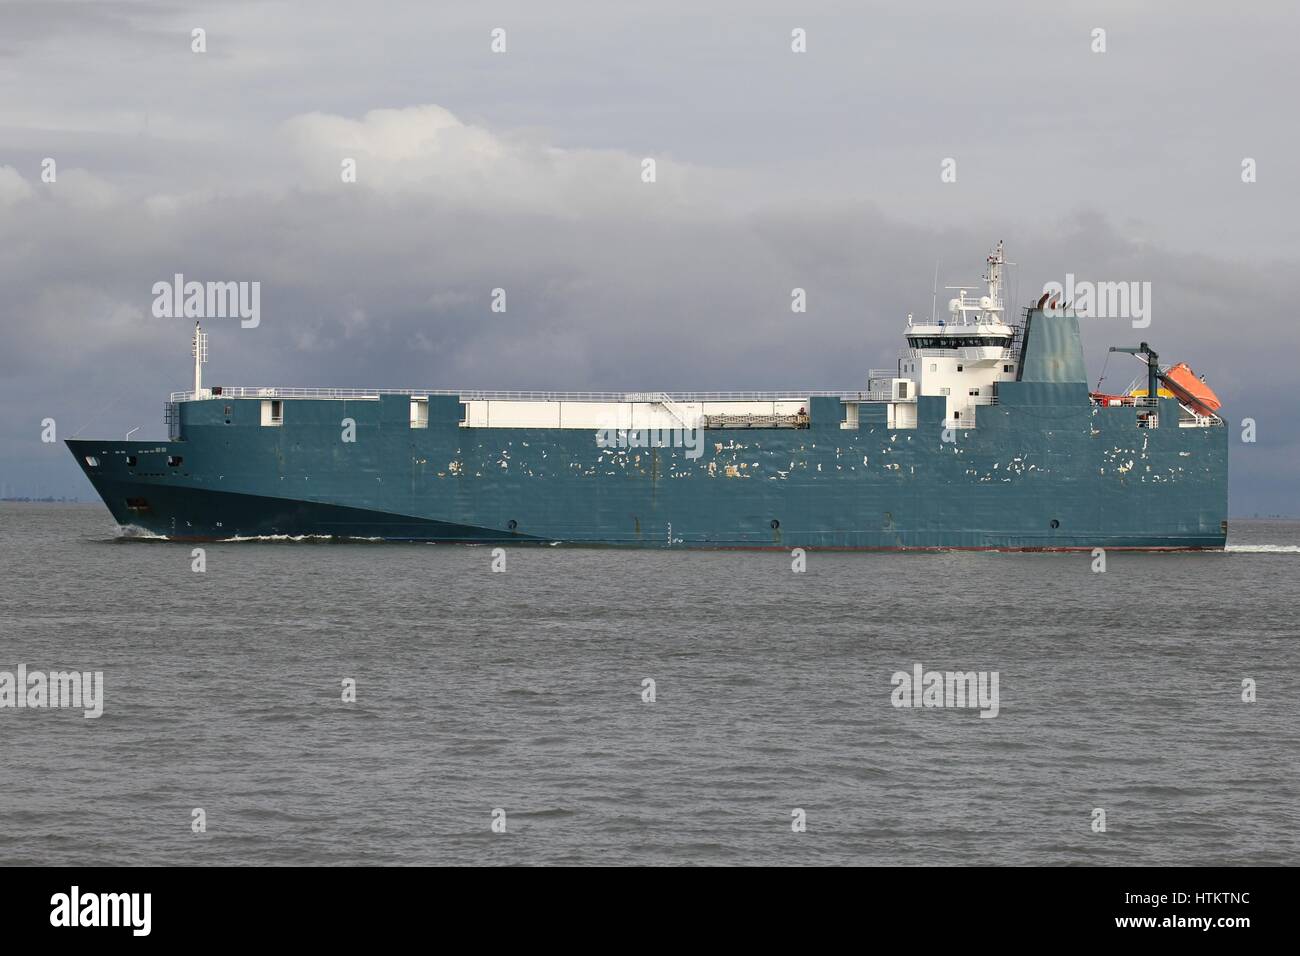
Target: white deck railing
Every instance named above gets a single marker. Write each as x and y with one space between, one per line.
1125 401
474 394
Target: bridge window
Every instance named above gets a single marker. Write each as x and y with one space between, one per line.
958 341
973 391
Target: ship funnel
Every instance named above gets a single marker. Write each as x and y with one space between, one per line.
1051 348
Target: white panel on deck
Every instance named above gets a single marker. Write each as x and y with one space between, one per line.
755 408
595 415
482 413
419 411
902 415
524 414
654 415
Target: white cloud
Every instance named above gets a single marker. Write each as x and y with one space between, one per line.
428 150
85 190
13 187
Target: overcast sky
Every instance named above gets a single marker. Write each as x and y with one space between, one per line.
522 170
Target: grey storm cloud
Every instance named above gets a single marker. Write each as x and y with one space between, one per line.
522 171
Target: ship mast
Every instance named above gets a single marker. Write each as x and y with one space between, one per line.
987 309
199 349
997 259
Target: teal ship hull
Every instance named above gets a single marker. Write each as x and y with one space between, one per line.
1045 469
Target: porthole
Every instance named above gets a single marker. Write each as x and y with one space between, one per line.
130 461
512 524
775 524
1055 523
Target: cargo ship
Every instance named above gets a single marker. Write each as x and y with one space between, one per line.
984 435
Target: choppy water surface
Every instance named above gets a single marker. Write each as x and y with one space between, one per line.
523 691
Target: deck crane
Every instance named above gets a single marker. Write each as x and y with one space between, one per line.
1153 368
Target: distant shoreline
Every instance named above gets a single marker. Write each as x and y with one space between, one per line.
48 501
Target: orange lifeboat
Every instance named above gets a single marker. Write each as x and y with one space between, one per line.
1142 393
1190 390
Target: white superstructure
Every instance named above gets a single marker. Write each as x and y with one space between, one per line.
962 357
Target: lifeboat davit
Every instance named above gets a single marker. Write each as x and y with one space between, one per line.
1190 390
